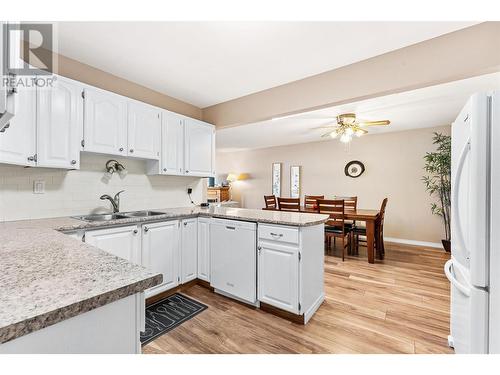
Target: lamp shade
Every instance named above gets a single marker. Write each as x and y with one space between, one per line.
232 176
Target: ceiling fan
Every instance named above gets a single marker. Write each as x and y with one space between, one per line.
348 125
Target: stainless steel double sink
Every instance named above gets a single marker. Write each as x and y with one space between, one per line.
119 215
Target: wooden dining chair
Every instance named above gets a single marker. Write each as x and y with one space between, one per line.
379 233
350 204
335 226
289 204
311 202
270 201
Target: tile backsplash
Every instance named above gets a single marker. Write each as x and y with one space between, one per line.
77 192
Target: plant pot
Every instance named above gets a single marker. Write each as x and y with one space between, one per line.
446 245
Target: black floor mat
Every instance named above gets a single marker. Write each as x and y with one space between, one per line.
165 315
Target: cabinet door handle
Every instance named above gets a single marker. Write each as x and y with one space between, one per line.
276 234
146 229
136 231
185 223
259 248
232 228
131 150
120 149
73 162
187 171
164 169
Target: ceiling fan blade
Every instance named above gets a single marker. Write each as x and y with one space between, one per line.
324 127
374 123
312 117
326 135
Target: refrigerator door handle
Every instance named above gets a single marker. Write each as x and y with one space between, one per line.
449 274
454 200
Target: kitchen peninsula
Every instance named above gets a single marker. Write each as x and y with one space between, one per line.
61 273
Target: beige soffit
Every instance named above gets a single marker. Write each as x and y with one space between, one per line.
92 76
461 54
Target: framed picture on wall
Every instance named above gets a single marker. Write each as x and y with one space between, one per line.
295 181
276 187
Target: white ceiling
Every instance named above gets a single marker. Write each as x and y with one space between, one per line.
205 63
422 108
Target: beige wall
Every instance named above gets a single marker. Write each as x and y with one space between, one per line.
462 54
87 74
393 162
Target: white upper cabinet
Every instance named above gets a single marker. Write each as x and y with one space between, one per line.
199 148
143 130
17 142
53 124
60 124
172 144
160 253
122 242
105 122
189 250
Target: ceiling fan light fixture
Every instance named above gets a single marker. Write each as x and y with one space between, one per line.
345 138
348 126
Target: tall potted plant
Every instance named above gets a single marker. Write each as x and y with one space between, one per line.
438 181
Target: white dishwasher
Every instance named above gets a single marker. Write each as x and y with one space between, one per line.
233 247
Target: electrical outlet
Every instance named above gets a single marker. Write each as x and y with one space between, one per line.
38 187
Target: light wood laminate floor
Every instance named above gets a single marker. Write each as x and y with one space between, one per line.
398 305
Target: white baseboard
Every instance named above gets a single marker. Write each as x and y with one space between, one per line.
437 245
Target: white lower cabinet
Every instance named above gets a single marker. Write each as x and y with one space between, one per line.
189 250
278 279
277 265
168 247
121 241
290 268
160 253
204 249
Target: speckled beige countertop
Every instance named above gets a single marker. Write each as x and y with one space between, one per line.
47 276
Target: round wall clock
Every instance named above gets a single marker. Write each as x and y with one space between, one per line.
354 169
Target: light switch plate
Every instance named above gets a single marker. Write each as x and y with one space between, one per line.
38 187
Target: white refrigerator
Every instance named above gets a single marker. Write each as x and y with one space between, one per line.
474 267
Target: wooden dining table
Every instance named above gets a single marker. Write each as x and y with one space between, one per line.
370 218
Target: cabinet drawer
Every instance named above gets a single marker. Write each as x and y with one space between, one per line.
279 233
